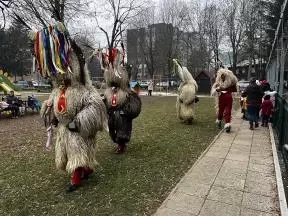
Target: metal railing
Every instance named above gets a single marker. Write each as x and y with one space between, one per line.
280 125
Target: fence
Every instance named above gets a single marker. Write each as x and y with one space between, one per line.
280 125
161 83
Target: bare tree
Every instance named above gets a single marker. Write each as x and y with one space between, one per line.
235 26
43 11
4 4
121 13
199 56
175 13
213 22
251 28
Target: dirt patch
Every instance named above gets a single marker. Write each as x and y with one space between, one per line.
20 135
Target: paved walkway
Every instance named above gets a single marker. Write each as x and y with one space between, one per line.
235 176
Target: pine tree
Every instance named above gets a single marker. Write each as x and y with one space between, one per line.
15 50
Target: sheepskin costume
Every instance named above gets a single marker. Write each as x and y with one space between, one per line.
78 109
122 103
187 90
224 86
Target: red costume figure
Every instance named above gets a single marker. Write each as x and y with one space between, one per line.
225 85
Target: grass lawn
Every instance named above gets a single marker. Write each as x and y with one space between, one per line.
162 149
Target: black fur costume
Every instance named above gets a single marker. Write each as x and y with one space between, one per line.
122 103
121 116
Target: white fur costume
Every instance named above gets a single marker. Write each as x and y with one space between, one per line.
186 93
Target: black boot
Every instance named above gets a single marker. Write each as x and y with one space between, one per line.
251 126
72 188
121 149
256 124
219 124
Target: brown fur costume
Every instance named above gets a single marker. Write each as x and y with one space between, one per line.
79 112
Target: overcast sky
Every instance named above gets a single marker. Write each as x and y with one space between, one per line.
88 25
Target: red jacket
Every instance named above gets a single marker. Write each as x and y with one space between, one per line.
267 107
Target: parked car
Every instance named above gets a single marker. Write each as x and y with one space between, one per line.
143 84
40 84
22 84
242 85
166 83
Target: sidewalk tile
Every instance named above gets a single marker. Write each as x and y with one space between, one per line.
231 181
261 168
259 202
225 195
250 212
200 177
226 172
171 212
214 208
240 148
238 156
259 177
185 203
261 188
217 152
189 188
241 165
261 160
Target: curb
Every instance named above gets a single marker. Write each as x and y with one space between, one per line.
280 187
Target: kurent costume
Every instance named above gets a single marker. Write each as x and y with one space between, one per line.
186 94
77 110
122 103
224 86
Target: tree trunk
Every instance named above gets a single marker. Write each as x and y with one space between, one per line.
250 68
234 62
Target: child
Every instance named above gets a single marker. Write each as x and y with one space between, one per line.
243 103
267 109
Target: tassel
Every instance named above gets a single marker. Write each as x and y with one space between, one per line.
34 65
49 138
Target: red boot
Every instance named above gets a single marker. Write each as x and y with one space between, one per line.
75 179
121 149
86 172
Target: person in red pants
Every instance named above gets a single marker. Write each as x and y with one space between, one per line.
225 85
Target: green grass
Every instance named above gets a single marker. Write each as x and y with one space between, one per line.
162 149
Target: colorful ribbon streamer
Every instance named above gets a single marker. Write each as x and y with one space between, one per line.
52 50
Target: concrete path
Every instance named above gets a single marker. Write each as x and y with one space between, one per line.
235 176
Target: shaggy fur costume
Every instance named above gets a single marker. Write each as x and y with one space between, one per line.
123 105
224 86
79 112
186 94
84 106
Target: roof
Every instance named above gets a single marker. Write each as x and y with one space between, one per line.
246 63
203 72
